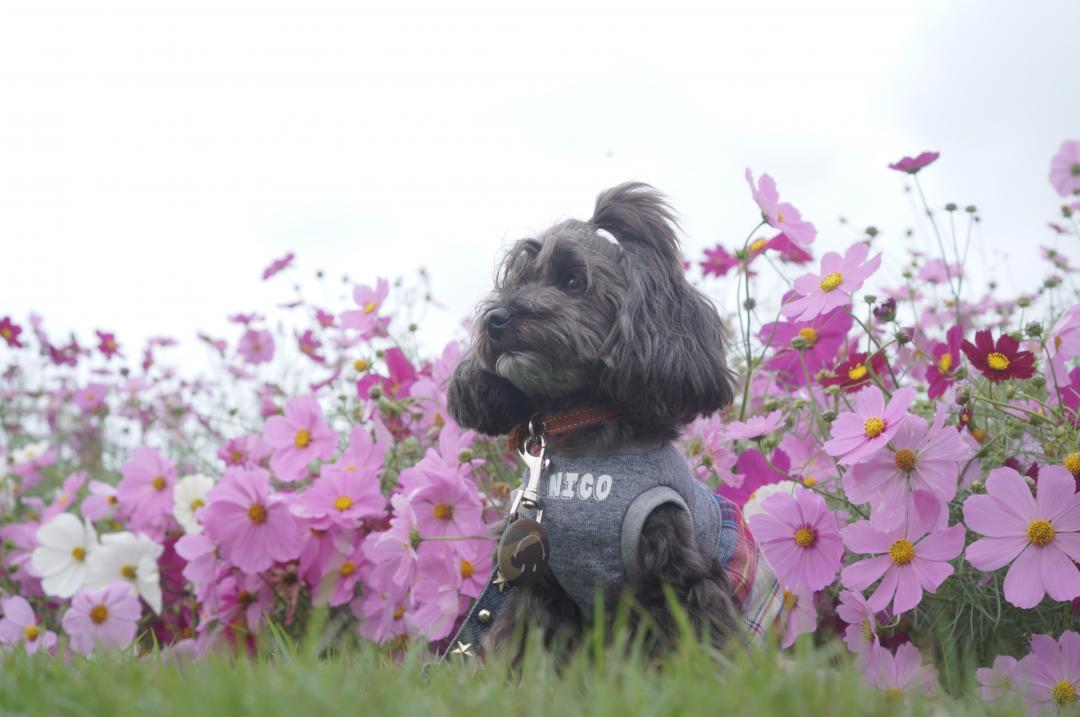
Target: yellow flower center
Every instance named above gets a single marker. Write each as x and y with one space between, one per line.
6 333
978 434
466 569
893 694
1040 532
790 600
399 613
759 244
944 363
902 552
244 598
89 395
997 361
361 365
857 373
303 438
443 511
159 483
809 481
808 335
196 504
111 500
873 427
343 502
78 553
32 633
866 630
1063 693
905 460
348 568
1072 463
237 457
257 513
831 281
128 571
805 537
779 217
99 614
370 307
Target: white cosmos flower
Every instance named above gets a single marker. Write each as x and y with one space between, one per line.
131 558
64 545
189 495
30 452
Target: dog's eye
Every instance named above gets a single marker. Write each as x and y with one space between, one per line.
573 283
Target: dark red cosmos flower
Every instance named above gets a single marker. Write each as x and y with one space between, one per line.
107 344
912 165
1000 360
9 331
854 373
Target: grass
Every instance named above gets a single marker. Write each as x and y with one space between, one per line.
292 679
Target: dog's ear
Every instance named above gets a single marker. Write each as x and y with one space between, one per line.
483 401
663 362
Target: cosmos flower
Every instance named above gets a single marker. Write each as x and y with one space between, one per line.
781 216
819 340
1040 536
9 332
309 345
105 617
941 373
100 502
129 558
278 265
298 437
856 372
870 426
1000 360
256 346
1051 671
832 288
799 536
718 262
90 398
146 489
898 674
189 495
107 344
1065 168
755 427
912 165
997 681
366 319
799 615
341 499
64 543
20 626
860 635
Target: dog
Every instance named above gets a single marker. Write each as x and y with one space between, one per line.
596 318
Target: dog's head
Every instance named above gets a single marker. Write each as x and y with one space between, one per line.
576 318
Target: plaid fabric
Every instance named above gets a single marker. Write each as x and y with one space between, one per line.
752 581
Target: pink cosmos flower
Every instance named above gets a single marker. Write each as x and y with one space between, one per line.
253 527
936 271
244 599
437 599
912 165
107 344
9 332
832 288
799 614
309 345
718 262
755 427
1041 534
790 252
1065 168
382 613
1051 672
105 617
146 490
800 539
997 681
860 635
940 374
91 398
393 551
366 319
100 502
363 457
751 472
1063 342
65 497
900 674
256 346
278 265
920 458
343 575
870 426
21 626
781 216
341 499
821 338
448 505
398 384
247 450
298 438
908 560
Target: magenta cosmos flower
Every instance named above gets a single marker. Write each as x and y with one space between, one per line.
921 458
146 490
9 332
366 318
870 426
298 438
780 215
908 562
20 626
912 165
718 262
800 539
278 265
755 427
832 288
941 373
1065 168
820 339
253 527
1040 536
105 617
1051 672
256 346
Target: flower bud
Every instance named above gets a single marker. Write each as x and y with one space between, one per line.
1066 211
749 304
1023 302
950 207
871 231
828 416
1034 329
963 397
902 337
799 343
870 299
970 209
886 310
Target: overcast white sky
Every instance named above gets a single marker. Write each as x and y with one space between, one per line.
155 156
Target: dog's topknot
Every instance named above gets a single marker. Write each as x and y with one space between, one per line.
636 213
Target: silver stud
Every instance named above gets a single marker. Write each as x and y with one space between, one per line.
484 616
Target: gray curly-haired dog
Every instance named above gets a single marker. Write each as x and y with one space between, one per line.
576 321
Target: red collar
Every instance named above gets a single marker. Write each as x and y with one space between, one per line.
560 423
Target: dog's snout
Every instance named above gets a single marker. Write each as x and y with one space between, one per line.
497 320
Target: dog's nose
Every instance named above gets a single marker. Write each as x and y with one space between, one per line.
497 320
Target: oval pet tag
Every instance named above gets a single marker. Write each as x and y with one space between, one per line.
523 552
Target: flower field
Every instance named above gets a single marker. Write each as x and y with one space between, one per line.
907 455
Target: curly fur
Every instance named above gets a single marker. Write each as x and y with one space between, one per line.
593 322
